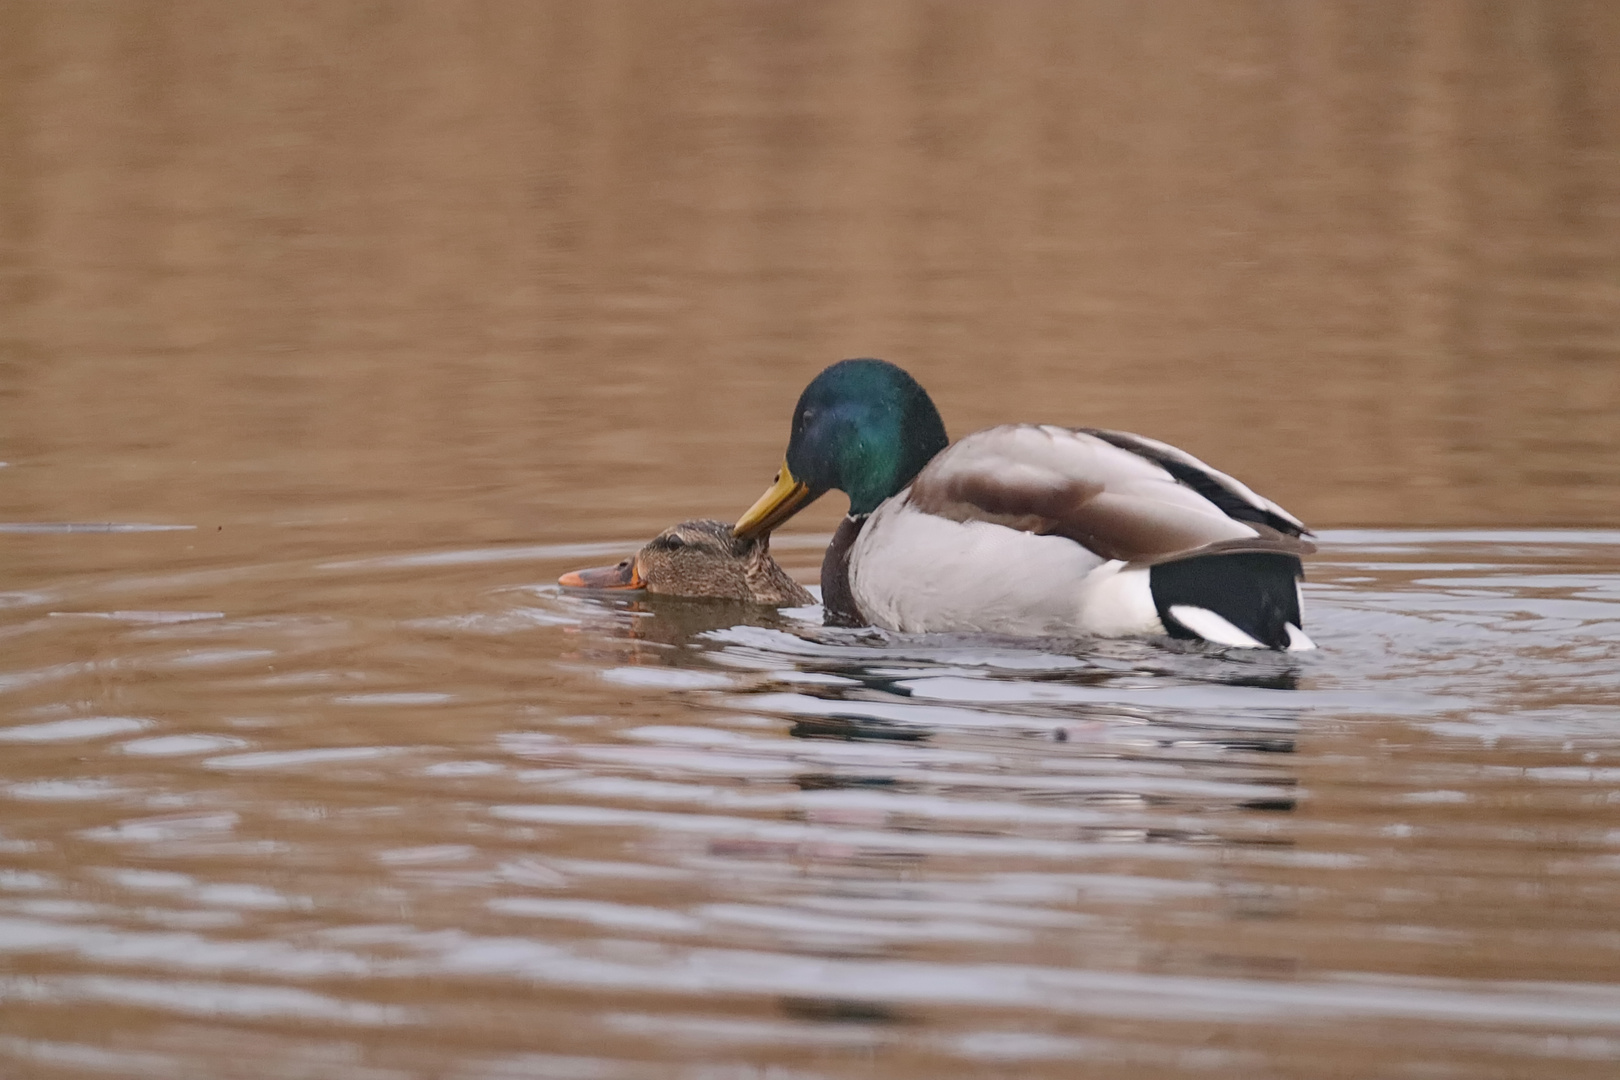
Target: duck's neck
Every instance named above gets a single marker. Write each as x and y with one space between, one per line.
880 468
837 601
768 583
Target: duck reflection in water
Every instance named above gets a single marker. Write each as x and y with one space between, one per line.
1196 772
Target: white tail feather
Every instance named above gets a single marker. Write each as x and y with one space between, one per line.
1212 627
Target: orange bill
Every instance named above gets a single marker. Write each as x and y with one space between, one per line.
626 575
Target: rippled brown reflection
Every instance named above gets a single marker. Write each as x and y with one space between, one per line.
398 311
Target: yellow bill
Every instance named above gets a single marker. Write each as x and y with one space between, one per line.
778 504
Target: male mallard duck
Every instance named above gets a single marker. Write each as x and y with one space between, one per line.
1028 529
700 559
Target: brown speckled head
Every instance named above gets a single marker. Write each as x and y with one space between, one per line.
700 559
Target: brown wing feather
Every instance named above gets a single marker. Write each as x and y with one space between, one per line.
1232 496
1069 483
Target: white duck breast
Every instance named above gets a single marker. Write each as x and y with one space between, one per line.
1030 529
918 573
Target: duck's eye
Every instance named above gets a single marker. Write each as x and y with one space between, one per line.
669 543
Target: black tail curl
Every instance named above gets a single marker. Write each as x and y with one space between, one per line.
1256 592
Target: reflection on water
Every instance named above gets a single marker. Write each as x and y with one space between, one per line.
507 831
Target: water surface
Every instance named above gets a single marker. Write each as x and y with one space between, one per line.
496 830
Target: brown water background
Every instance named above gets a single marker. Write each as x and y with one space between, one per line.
342 283
552 270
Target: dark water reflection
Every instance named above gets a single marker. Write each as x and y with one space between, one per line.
510 832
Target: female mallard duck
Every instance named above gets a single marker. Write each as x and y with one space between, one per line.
700 559
1029 529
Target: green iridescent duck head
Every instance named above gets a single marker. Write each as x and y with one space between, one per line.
863 427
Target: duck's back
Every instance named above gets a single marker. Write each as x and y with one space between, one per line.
1029 529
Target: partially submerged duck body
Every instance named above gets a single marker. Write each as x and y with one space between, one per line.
1014 542
700 559
1029 529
